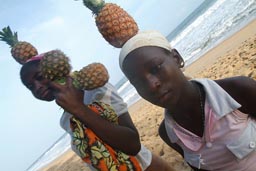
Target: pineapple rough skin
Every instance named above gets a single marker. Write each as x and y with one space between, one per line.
92 76
116 25
55 65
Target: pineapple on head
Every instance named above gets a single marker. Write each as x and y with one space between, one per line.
20 50
114 23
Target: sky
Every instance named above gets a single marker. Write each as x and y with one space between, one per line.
29 126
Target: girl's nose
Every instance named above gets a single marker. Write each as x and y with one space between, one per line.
37 86
40 85
153 82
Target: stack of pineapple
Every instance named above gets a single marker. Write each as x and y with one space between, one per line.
55 65
115 24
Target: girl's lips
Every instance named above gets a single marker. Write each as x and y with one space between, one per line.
165 96
45 93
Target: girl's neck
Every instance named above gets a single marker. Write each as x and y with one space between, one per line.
190 113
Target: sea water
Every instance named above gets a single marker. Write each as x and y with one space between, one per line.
212 22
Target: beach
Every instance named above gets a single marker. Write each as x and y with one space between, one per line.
234 56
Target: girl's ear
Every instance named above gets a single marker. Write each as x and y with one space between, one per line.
177 57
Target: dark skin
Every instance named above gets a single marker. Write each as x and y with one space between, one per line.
157 78
71 100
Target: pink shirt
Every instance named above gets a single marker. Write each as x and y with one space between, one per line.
229 140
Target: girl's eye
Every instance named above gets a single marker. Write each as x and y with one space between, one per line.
155 69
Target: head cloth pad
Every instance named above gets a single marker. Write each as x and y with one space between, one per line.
37 57
141 39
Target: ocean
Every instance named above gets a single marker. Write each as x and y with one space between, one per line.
212 22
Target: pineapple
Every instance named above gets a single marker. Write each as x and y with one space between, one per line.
55 66
92 76
20 50
115 24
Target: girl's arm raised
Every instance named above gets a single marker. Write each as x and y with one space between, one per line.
115 135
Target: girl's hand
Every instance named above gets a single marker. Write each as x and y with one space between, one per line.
68 97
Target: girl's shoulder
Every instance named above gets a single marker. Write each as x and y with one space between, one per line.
237 86
242 89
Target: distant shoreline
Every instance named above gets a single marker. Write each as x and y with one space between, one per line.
231 42
243 26
205 5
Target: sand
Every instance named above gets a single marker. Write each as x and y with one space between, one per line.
232 57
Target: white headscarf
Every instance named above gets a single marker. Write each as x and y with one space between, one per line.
141 39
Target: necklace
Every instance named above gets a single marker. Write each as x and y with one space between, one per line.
199 88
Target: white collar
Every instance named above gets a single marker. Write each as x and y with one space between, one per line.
220 101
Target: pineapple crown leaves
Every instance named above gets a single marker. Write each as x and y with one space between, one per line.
94 5
6 35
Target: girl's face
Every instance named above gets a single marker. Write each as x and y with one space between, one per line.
155 74
37 84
